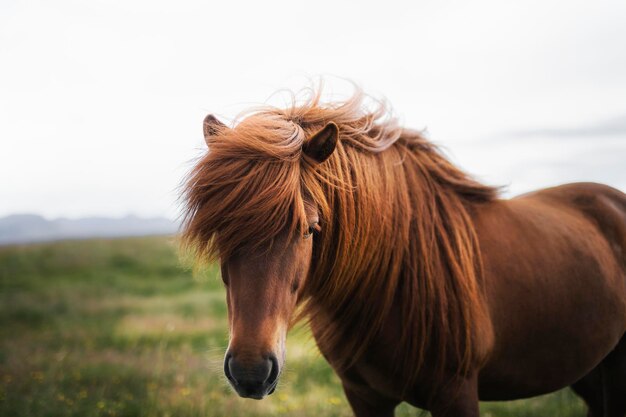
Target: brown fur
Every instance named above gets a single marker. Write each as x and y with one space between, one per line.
397 239
399 214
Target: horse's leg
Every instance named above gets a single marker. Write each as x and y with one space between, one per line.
604 388
457 400
614 378
368 403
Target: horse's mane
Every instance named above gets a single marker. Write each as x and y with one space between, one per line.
395 223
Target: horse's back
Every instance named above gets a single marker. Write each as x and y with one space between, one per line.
604 205
555 283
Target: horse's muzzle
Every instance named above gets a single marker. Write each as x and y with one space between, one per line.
252 380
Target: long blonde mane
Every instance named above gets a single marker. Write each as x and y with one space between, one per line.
394 214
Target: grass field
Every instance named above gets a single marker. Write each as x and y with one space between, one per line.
119 328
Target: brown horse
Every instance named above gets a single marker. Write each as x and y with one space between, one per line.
420 284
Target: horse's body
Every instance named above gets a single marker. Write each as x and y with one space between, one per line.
420 284
556 290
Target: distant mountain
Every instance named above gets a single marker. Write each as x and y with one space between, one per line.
25 228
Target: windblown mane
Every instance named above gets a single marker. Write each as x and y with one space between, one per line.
395 227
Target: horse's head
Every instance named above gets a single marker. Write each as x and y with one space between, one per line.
263 280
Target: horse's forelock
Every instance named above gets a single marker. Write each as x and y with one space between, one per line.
252 180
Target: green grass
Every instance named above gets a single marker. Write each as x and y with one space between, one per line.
119 328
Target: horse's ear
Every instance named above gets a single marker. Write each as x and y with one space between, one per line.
211 126
322 144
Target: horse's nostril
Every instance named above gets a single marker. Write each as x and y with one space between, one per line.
274 370
227 370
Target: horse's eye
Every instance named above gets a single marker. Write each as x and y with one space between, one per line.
309 232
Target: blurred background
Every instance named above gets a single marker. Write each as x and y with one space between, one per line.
101 104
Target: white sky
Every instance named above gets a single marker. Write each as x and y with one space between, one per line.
101 102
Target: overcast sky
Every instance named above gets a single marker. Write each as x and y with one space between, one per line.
101 102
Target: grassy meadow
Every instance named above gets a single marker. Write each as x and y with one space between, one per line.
119 328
